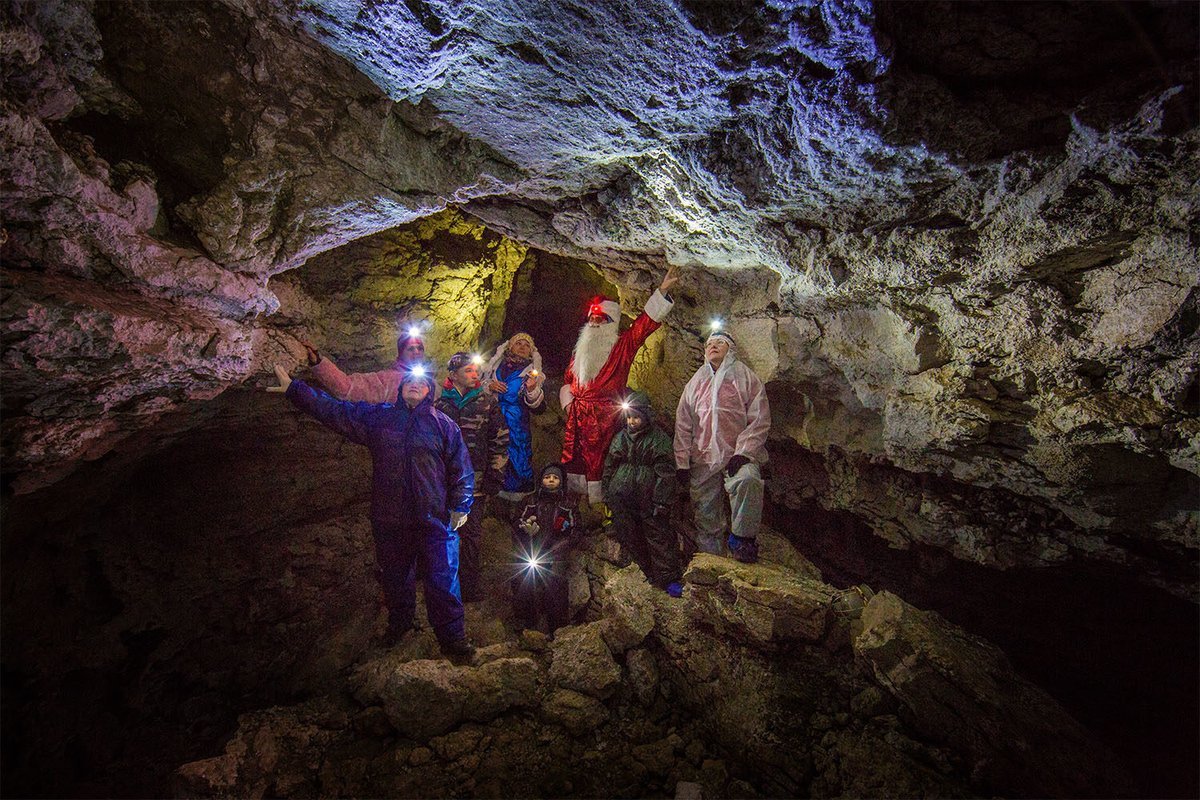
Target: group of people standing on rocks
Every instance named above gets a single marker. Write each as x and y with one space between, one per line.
435 456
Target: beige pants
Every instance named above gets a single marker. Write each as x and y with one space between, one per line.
742 494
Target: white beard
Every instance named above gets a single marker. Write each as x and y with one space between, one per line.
592 350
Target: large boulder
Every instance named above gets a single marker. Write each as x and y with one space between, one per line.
582 661
629 603
759 604
578 713
961 690
427 698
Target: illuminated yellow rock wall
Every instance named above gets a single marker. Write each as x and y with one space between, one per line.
445 272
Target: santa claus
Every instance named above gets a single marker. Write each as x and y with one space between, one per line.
595 380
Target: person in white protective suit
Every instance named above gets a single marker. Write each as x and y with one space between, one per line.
721 429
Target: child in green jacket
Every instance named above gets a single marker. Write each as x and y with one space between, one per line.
639 488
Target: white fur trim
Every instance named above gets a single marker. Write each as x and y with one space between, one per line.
489 370
576 483
612 308
658 306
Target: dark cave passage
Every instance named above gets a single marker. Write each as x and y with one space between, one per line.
1123 657
549 303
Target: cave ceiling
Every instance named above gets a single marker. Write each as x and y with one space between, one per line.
959 239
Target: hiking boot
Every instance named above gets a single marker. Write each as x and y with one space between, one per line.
394 633
744 550
459 651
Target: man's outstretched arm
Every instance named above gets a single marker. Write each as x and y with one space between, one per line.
656 310
347 419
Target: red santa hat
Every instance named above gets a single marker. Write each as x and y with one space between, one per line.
602 305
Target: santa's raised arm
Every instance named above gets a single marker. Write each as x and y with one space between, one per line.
597 377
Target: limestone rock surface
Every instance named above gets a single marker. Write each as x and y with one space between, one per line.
917 708
757 604
581 661
428 698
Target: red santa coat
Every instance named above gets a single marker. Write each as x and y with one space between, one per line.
594 412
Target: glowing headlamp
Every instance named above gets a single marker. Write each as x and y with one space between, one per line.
535 563
715 324
414 332
625 405
476 359
419 371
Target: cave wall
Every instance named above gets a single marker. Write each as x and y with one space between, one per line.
150 599
445 273
957 240
221 558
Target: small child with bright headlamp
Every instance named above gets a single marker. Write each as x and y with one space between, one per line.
541 538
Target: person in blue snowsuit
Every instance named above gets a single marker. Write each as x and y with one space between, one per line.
421 493
514 376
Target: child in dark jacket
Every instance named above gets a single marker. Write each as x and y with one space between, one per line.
541 537
640 485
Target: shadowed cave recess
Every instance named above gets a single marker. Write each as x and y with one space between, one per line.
957 241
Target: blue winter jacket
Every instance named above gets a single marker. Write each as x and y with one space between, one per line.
420 464
518 475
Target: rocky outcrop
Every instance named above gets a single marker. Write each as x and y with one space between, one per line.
423 699
445 273
916 708
962 691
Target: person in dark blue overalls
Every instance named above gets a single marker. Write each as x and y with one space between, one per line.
514 376
421 493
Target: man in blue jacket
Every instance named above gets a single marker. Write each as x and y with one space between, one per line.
421 493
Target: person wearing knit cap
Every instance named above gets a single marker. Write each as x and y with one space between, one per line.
485 433
596 377
381 386
423 486
721 427
542 536
514 376
640 490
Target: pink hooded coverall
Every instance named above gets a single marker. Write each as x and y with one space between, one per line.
722 414
381 386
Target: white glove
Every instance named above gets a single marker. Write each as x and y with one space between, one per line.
457 519
285 380
530 526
